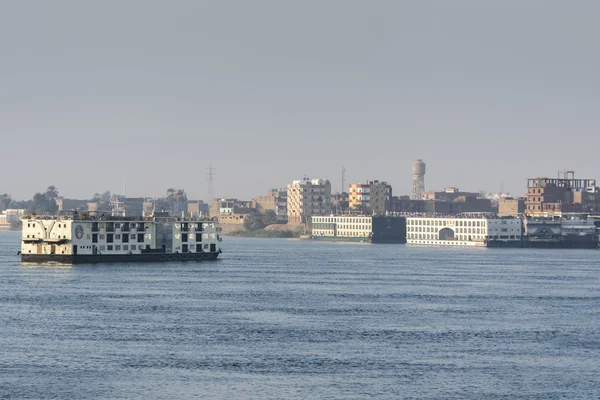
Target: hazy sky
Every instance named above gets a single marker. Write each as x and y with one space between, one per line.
94 94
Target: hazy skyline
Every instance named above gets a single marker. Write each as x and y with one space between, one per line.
95 94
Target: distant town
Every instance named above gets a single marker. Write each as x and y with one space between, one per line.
286 212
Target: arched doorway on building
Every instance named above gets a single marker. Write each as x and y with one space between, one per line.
446 234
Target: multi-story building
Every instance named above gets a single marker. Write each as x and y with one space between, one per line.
231 211
509 207
197 208
10 218
448 194
479 231
373 197
565 194
127 206
275 200
459 205
308 197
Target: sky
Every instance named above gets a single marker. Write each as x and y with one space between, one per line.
96 96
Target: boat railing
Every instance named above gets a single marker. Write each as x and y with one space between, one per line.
110 218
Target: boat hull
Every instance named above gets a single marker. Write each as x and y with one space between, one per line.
587 244
341 239
117 258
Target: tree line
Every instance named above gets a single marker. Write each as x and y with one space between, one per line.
175 200
40 202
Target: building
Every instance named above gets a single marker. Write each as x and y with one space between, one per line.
148 207
197 208
308 197
565 194
220 207
71 205
448 194
373 197
461 204
10 218
477 231
509 207
275 200
406 205
231 211
97 208
127 206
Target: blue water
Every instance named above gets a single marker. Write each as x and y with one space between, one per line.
300 319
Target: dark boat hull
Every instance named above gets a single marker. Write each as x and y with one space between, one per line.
117 258
588 244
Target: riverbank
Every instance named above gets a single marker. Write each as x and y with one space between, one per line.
271 231
262 233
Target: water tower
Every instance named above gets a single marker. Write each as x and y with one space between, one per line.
418 173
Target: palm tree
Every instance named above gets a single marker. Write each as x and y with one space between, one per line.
52 192
181 196
5 200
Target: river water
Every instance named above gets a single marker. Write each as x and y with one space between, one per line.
299 319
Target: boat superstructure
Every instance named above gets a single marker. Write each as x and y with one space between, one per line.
359 228
465 231
84 239
561 233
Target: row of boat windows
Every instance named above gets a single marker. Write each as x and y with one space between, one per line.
344 234
435 229
125 247
442 222
140 237
342 220
428 236
355 227
57 236
111 237
438 242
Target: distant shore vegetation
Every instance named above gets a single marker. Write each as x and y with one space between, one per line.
262 233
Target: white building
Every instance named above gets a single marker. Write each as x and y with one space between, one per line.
464 231
9 217
306 198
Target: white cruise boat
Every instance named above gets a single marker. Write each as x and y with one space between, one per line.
84 239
